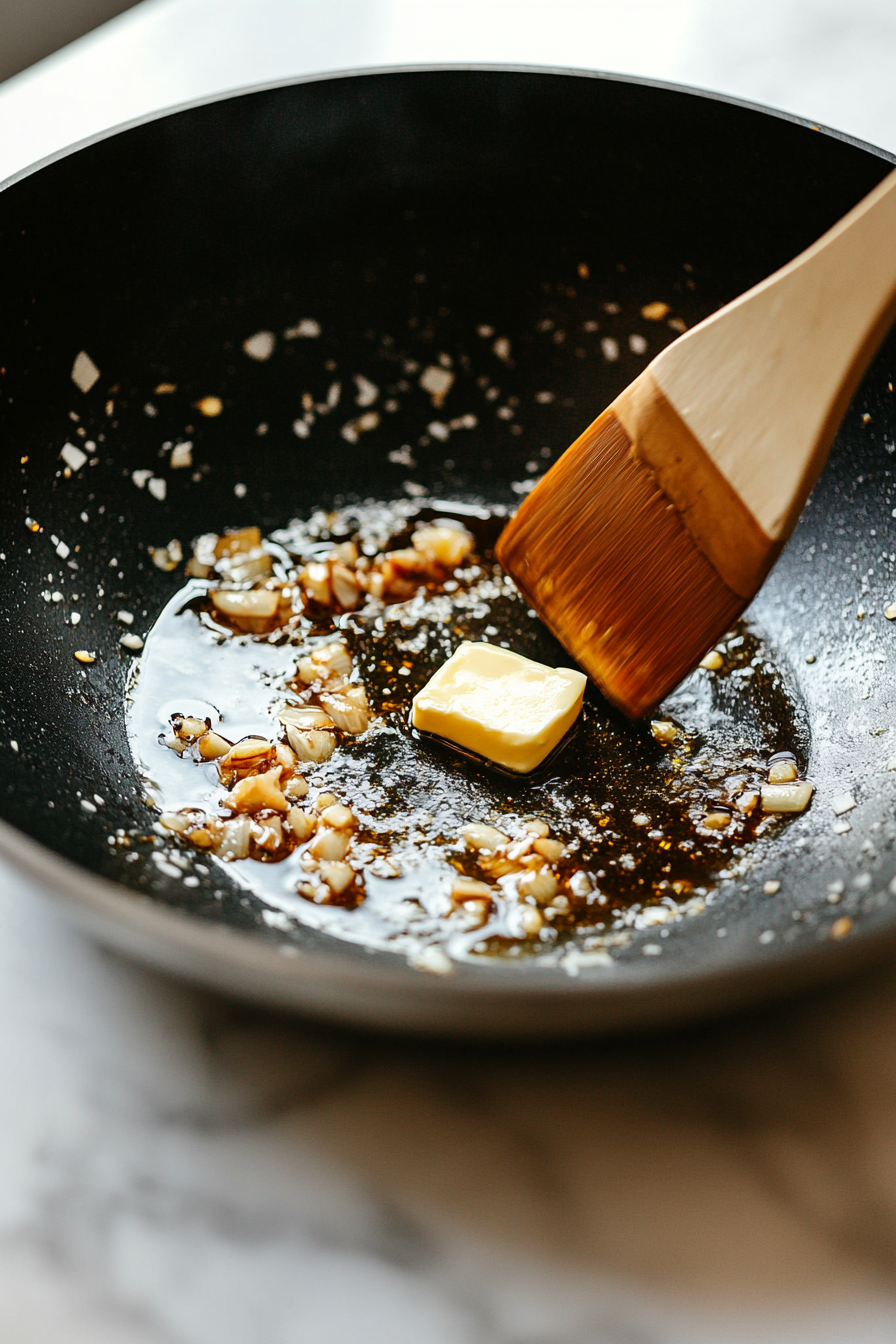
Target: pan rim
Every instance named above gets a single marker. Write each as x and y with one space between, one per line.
363 72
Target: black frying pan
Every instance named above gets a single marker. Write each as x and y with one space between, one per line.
160 248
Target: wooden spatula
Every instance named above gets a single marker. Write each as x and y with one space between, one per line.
656 528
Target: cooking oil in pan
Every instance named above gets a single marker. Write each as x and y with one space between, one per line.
394 842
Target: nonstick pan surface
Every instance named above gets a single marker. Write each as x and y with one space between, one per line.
421 202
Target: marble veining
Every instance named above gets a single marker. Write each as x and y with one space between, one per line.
180 1168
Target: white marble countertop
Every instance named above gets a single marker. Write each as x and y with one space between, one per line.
178 1170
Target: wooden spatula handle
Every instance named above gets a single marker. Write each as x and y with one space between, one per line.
761 386
655 529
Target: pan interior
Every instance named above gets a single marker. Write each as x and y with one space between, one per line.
423 208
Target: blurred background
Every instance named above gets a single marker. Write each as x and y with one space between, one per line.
830 60
31 31
175 1169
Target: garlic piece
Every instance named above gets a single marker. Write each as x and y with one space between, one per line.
234 843
552 850
315 746
346 716
302 824
787 797
346 588
257 792
250 753
782 772
346 552
541 884
285 756
337 876
305 717
179 822
212 746
315 579
409 563
238 542
537 827
339 817
251 612
437 382
308 671
468 889
251 567
330 845
664 730
479 836
332 660
445 546
188 728
530 921
268 834
207 836
580 884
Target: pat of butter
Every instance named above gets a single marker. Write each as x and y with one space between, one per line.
507 708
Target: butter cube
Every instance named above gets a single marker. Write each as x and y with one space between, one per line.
502 706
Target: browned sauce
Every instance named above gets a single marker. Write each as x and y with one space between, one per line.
629 811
